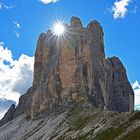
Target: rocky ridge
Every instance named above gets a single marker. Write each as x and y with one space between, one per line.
78 122
72 69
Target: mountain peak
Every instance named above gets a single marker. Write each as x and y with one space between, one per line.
72 70
75 22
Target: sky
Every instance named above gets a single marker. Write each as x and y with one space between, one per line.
21 22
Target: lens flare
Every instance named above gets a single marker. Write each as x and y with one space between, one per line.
58 29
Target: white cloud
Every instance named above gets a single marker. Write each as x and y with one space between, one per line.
4 6
136 88
120 8
48 1
15 75
136 85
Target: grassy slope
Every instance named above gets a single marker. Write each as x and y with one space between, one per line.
78 118
135 135
113 133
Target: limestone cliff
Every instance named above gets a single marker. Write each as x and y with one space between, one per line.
73 69
119 92
70 69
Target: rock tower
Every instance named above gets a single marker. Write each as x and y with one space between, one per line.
72 69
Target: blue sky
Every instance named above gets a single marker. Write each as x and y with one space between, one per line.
21 22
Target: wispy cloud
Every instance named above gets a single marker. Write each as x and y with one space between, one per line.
120 8
134 10
16 75
48 1
5 6
17 27
17 33
136 88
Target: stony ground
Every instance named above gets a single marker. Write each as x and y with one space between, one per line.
76 123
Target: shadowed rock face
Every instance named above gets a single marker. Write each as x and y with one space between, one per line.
73 69
120 93
8 116
25 103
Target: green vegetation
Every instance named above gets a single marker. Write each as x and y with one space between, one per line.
78 118
110 134
81 122
135 135
113 133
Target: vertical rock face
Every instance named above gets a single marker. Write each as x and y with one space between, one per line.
120 93
75 22
72 68
25 103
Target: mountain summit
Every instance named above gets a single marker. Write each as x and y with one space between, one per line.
72 69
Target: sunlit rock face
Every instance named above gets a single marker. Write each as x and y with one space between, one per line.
72 69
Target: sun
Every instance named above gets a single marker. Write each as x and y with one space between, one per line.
58 29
